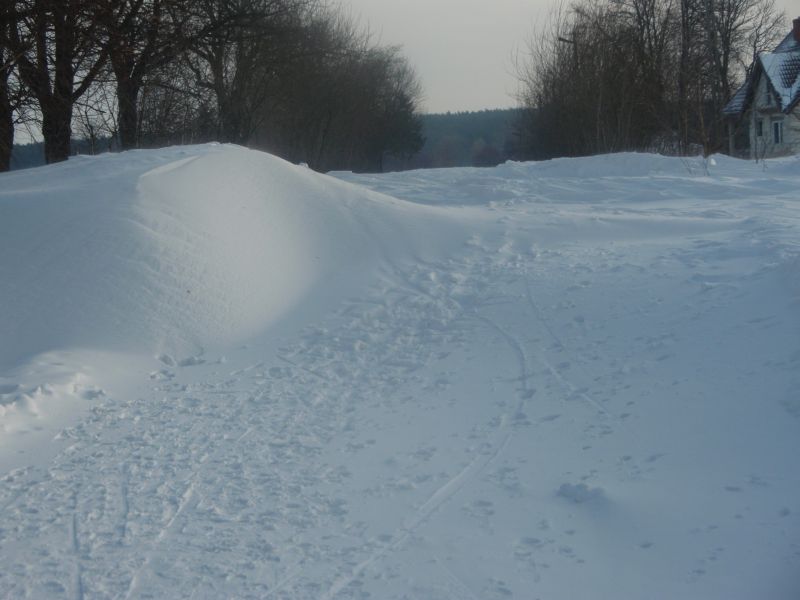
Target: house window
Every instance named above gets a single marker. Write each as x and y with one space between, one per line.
760 128
777 132
767 95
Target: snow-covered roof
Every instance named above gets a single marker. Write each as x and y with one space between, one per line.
782 68
788 44
737 104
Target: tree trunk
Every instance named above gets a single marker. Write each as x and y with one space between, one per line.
6 138
6 125
683 77
127 101
56 130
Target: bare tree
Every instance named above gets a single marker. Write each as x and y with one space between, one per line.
7 62
244 50
139 36
351 102
174 110
58 60
95 117
764 32
15 98
298 77
609 75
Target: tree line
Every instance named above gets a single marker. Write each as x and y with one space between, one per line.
614 75
482 138
299 78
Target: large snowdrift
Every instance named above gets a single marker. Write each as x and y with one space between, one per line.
175 250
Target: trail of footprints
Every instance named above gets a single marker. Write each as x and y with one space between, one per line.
235 468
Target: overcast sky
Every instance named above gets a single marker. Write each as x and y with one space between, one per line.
462 49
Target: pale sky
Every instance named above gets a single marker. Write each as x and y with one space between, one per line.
462 49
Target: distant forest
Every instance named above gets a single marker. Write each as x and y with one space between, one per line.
466 139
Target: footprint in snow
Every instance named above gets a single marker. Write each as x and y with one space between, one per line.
580 493
93 394
549 418
167 360
162 375
191 361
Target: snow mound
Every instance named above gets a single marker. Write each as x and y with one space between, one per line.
609 178
171 250
637 164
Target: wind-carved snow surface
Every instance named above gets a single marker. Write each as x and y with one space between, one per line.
572 379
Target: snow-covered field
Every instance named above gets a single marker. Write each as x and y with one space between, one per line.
224 376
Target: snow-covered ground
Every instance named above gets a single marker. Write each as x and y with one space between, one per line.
224 376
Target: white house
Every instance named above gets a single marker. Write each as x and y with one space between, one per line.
768 104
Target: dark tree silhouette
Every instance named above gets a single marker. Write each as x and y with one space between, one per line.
54 43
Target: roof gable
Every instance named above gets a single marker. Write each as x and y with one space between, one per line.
740 100
788 44
782 70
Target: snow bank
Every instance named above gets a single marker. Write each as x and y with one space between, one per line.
587 180
173 250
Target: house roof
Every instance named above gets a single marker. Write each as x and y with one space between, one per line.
788 44
738 103
782 69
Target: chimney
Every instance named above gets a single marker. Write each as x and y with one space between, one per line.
796 29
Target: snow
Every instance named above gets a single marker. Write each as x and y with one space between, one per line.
156 252
222 375
783 70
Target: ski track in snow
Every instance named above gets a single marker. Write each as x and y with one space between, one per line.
159 471
174 475
480 399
